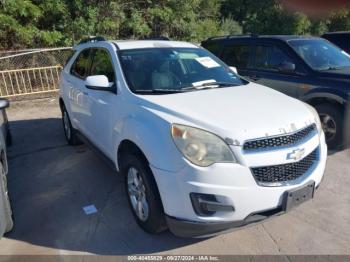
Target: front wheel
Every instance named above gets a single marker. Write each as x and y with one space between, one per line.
331 117
6 200
143 195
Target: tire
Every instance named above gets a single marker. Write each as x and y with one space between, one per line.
150 219
332 120
69 132
6 199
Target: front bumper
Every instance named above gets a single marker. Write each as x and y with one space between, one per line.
193 229
184 228
235 183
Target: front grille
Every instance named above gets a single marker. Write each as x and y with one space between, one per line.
285 172
279 141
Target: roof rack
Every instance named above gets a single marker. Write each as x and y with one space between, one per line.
164 38
92 39
232 36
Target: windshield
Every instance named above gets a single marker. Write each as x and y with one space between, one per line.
174 70
320 54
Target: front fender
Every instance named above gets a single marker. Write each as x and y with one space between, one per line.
153 137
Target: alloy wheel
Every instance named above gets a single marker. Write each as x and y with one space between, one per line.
137 194
329 126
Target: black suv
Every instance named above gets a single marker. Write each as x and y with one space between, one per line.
308 68
341 39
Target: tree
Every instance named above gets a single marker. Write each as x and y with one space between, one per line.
265 17
319 27
230 27
45 23
189 20
339 21
18 23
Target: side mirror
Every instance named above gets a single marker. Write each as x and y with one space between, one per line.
286 67
4 103
234 69
98 82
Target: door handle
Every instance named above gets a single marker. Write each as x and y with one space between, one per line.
86 93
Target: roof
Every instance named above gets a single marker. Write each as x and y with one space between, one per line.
288 37
279 37
134 44
338 33
131 44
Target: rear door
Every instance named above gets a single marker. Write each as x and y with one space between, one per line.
267 58
77 93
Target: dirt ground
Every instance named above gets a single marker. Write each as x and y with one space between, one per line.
50 182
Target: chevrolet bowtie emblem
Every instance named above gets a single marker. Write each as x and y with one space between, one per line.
296 154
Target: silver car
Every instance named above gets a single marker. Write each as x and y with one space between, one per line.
6 221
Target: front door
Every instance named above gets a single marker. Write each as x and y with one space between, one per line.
102 106
266 62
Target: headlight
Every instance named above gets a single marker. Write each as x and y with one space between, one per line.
316 117
201 147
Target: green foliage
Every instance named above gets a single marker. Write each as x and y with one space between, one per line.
47 23
340 21
265 17
230 27
319 27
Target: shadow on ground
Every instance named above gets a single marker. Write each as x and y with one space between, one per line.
50 182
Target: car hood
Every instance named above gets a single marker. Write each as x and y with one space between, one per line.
339 74
240 112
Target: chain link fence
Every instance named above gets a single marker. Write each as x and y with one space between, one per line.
34 71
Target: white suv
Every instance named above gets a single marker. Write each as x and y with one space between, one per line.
201 149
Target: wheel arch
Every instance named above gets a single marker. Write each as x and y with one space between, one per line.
325 98
152 139
127 145
61 103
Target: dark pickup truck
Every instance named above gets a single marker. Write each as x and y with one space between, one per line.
308 68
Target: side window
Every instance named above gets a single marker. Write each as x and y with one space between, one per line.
213 47
270 57
102 65
236 55
82 64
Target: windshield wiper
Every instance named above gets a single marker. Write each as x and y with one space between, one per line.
209 85
158 91
206 85
334 68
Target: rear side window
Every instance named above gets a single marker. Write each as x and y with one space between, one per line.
236 55
213 47
70 54
270 57
102 65
82 64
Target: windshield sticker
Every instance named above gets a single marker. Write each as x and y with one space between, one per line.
207 62
187 55
199 83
